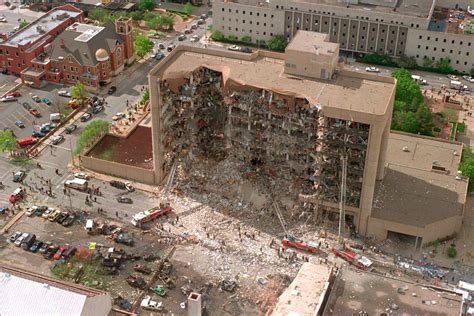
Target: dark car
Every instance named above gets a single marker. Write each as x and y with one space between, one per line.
61 218
40 210
19 176
28 241
246 50
112 90
20 124
161 46
45 247
36 246
123 199
27 106
49 253
68 252
68 221
37 134
86 117
71 128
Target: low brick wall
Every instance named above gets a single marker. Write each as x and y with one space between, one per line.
119 170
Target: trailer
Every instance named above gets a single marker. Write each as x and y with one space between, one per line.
149 215
310 246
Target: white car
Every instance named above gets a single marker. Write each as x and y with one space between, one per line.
468 78
64 93
372 69
3 20
118 116
452 77
47 212
31 210
56 140
81 175
194 38
234 48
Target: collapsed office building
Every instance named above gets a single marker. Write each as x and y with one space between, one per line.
290 119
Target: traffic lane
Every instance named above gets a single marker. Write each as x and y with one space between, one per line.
6 177
12 112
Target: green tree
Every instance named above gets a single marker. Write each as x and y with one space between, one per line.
99 14
135 15
467 166
79 91
143 45
443 66
146 95
93 130
277 43
425 120
407 62
168 21
188 8
153 23
23 24
407 89
246 39
146 5
452 252
427 62
405 122
217 36
7 141
472 71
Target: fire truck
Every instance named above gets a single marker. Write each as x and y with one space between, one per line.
149 215
357 260
310 246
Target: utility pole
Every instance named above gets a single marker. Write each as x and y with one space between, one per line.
342 200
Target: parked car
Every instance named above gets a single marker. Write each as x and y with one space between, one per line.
194 26
64 93
35 113
31 210
47 212
234 48
17 195
372 69
112 90
71 128
45 247
97 109
122 185
123 199
20 124
453 77
86 117
14 236
161 46
118 116
194 38
247 50
188 31
47 127
62 217
56 140
36 98
468 78
14 94
59 253
38 134
8 99
28 241
69 221
170 47
20 239
70 251
49 253
19 176
3 19
200 22
40 210
182 37
81 175
54 216
46 100
36 246
26 105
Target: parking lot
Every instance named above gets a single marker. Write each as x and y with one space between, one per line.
12 112
14 17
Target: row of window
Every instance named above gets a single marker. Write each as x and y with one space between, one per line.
250 22
250 12
434 58
7 52
257 32
442 50
445 40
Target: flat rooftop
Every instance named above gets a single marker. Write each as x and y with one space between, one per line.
38 28
359 93
356 292
303 295
304 41
411 192
418 8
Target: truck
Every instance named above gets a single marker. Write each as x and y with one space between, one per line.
27 141
76 183
310 246
357 260
149 215
454 84
419 80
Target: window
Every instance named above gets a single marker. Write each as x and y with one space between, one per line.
442 50
436 39
230 10
403 33
467 53
428 38
444 41
427 47
460 43
16 54
452 42
434 48
72 68
401 43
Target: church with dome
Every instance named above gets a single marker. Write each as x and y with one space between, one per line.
84 53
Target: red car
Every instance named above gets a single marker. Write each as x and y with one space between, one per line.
17 195
14 94
59 253
35 113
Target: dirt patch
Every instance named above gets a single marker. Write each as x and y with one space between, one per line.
135 150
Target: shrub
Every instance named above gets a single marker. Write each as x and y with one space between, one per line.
246 39
452 252
277 43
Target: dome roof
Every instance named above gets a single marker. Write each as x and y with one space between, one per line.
101 55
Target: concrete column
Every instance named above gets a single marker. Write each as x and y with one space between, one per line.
194 304
155 107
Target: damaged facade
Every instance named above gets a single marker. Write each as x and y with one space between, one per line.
290 131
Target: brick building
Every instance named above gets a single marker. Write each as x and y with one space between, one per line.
86 53
19 50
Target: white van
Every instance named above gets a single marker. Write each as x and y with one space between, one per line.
454 84
419 79
76 183
55 117
89 225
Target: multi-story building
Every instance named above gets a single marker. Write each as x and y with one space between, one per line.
18 50
83 52
291 119
409 27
